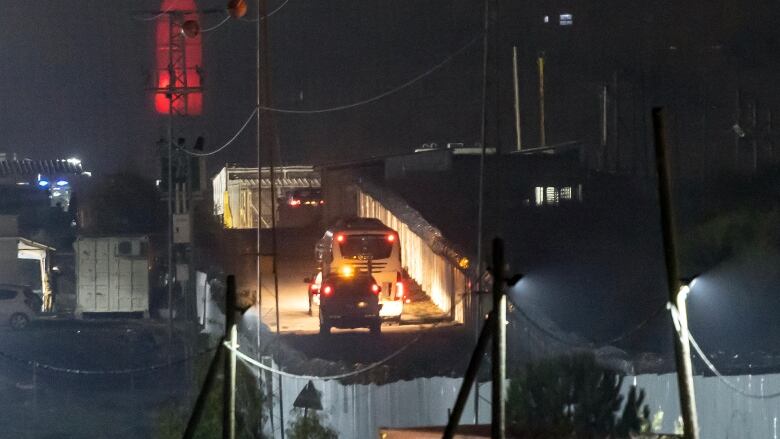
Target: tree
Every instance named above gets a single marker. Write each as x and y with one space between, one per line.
573 397
309 426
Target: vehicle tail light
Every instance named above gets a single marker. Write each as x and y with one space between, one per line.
314 288
327 291
340 238
375 289
295 202
322 201
391 238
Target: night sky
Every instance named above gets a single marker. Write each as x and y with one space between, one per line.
76 75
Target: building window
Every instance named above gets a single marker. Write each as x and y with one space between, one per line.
565 19
539 196
551 195
546 18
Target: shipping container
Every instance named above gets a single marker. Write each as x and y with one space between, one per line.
112 275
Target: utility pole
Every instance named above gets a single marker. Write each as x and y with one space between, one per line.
259 279
516 81
754 134
542 129
498 399
737 127
603 129
171 86
481 189
615 120
681 343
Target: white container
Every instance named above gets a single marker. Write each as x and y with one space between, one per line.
112 275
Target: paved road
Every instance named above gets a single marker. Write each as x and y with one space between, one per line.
37 402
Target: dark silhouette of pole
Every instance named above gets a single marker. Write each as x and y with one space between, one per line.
208 382
681 349
470 377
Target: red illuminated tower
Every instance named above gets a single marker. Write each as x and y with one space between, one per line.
180 58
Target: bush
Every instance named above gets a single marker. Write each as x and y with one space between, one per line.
309 427
572 397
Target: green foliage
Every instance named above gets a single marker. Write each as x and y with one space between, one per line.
250 417
572 397
730 234
309 427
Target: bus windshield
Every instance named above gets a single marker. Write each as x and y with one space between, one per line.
366 246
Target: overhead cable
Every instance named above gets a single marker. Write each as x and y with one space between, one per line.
251 20
235 136
155 17
676 319
585 344
249 360
209 29
379 96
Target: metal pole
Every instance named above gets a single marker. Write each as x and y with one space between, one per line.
470 378
171 85
208 384
516 81
615 116
229 387
498 357
259 280
481 200
737 117
753 108
263 74
681 349
542 130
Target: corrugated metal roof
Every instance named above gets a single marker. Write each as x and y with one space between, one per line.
27 167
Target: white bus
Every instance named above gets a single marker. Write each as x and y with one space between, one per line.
365 245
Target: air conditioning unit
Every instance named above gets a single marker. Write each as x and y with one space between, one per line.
130 248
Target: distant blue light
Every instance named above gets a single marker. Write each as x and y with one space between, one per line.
43 183
62 183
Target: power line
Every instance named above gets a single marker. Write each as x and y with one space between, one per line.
235 136
216 26
254 20
155 17
377 97
587 344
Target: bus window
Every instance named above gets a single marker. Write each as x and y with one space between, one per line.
375 246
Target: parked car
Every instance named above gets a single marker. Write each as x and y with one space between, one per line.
18 305
310 197
350 302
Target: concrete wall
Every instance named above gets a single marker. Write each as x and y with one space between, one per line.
444 283
357 411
